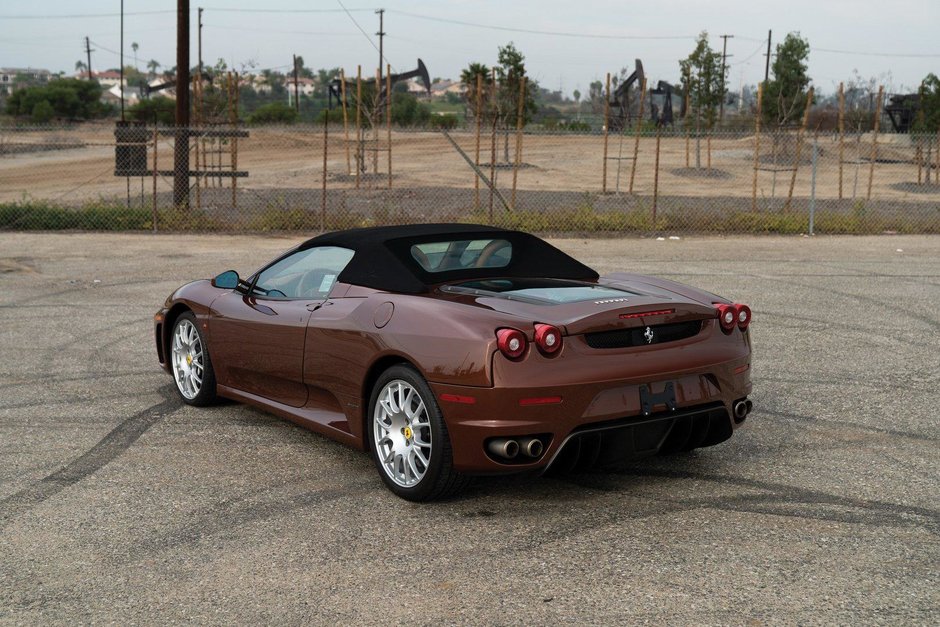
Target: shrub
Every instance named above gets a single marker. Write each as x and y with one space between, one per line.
160 109
446 121
273 113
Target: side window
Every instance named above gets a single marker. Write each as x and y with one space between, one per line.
307 273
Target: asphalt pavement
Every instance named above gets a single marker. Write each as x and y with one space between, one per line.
119 504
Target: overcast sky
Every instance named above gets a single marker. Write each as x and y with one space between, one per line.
586 38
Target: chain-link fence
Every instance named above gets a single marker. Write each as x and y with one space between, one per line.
312 178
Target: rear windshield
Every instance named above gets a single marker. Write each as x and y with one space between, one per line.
542 290
462 254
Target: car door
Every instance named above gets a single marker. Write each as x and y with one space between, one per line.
257 336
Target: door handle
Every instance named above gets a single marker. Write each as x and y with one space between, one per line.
315 306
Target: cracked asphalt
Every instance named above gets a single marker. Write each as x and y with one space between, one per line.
118 504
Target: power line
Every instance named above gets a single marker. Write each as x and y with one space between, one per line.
901 55
342 10
73 16
364 33
537 32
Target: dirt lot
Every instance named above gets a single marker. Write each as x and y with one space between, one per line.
292 159
119 504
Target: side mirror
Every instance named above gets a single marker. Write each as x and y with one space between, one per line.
228 280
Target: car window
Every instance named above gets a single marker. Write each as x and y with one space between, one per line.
307 273
462 254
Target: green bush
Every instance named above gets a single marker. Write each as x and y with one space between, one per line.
68 98
160 108
446 121
273 113
42 112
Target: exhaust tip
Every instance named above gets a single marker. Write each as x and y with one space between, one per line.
505 448
532 447
741 409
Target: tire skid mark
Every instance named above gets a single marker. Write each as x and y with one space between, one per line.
109 448
91 377
848 425
935 324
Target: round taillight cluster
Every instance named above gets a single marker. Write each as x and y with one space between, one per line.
731 316
547 338
511 342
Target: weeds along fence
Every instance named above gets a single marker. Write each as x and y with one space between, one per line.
311 178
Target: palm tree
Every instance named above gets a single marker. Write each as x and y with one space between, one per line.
80 66
469 78
152 65
135 46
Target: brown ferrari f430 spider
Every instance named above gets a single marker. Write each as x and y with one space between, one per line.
452 350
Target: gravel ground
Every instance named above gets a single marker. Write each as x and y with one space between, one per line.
119 504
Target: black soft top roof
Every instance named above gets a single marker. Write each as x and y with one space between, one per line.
383 258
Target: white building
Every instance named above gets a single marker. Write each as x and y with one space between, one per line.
28 76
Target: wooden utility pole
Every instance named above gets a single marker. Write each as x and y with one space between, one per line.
296 88
388 119
88 52
181 144
381 35
724 56
199 41
767 61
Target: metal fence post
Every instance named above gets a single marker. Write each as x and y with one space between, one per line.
812 195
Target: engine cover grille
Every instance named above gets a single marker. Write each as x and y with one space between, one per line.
639 336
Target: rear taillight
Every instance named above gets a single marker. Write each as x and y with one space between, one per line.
547 338
511 342
731 316
727 317
743 316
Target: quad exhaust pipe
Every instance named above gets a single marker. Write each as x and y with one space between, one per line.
510 448
741 409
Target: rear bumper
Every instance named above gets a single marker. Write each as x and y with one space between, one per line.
566 416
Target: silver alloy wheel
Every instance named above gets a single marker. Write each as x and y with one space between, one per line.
402 432
188 359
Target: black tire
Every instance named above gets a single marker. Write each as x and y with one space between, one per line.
206 394
440 480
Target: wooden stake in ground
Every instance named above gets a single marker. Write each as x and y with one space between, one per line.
799 147
874 140
606 130
376 119
841 134
936 175
194 121
479 114
519 118
493 147
760 102
360 157
388 118
156 149
326 143
637 132
342 91
233 118
659 135
685 121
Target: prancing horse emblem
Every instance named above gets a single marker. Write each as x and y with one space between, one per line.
648 335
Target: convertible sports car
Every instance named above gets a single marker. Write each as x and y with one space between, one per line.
451 350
